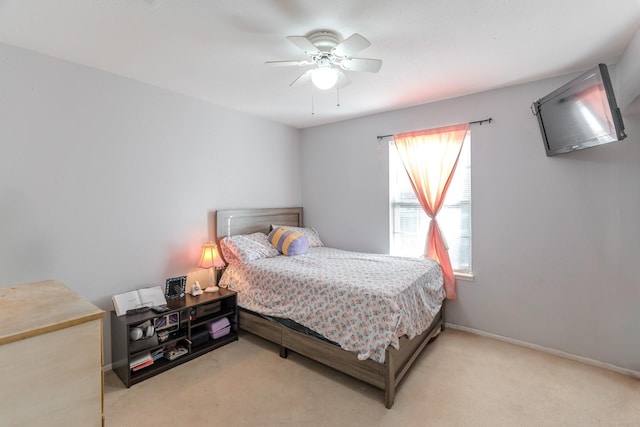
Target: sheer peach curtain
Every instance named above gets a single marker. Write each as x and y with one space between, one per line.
430 158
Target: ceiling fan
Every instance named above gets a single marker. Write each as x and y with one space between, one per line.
330 55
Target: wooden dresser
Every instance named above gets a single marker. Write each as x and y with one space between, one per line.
50 357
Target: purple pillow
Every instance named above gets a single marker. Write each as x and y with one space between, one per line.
288 241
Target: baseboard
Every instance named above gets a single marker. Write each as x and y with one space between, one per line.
585 360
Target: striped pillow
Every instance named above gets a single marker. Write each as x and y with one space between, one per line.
288 242
310 232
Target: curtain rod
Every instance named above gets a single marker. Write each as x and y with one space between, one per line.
477 122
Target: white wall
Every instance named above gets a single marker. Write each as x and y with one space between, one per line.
107 184
628 76
556 240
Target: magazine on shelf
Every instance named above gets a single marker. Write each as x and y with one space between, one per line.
142 365
158 354
143 297
140 361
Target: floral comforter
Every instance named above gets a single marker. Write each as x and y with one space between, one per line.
364 302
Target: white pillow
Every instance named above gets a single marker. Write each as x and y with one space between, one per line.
241 248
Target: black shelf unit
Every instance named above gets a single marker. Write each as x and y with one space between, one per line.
193 313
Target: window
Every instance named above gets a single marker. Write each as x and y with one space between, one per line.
409 224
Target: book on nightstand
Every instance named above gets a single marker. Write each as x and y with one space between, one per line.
144 297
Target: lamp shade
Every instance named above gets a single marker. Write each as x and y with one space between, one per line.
210 256
324 77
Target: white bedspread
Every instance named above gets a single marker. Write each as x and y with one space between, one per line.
364 302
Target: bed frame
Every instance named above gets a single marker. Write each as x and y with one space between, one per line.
385 376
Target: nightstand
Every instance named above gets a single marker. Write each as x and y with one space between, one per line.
180 334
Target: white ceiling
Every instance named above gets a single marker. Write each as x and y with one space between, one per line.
432 49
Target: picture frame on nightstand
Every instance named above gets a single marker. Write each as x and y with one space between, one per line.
175 287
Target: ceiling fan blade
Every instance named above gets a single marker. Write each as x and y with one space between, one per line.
343 80
304 44
362 64
302 79
299 63
352 44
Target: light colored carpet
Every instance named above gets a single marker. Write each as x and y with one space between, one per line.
461 379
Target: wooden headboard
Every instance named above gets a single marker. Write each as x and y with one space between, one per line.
244 221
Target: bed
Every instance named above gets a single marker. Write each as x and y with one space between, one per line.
383 367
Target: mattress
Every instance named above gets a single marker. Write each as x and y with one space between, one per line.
363 302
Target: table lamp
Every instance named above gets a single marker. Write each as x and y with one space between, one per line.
211 259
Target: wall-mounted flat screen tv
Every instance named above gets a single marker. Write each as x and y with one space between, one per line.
580 114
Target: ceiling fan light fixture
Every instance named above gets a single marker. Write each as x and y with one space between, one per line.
331 55
324 78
